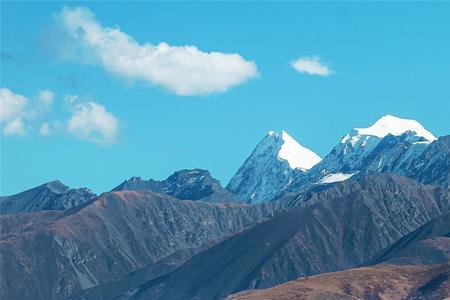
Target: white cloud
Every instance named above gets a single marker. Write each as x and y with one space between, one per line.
12 111
184 70
15 127
11 105
45 129
92 122
46 97
70 99
88 121
311 65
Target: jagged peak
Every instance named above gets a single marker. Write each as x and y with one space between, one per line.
199 174
286 148
56 186
272 133
135 179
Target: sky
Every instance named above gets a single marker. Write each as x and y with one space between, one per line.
94 93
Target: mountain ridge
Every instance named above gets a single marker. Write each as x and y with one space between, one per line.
109 237
53 195
196 184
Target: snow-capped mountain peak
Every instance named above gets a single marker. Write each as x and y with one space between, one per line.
391 144
271 167
396 126
298 156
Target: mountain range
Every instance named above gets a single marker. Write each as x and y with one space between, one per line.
378 203
391 144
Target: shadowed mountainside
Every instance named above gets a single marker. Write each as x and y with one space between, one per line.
57 254
349 227
429 244
389 282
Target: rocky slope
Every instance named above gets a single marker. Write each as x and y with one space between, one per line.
271 167
389 282
384 146
49 196
58 254
194 184
426 162
433 165
429 244
347 227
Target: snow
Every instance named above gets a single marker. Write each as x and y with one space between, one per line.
298 156
272 166
335 177
396 126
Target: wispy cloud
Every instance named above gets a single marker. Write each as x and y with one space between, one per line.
311 65
15 127
183 70
44 130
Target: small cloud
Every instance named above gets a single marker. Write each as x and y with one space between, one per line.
92 122
15 127
183 70
71 99
11 105
311 65
45 129
46 97
12 111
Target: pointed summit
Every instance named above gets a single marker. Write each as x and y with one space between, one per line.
271 167
298 156
285 147
396 126
53 195
56 187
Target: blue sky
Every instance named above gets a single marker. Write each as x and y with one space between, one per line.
381 58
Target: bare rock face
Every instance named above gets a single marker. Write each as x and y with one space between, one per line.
351 226
55 255
53 195
433 165
367 283
429 244
194 184
378 185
